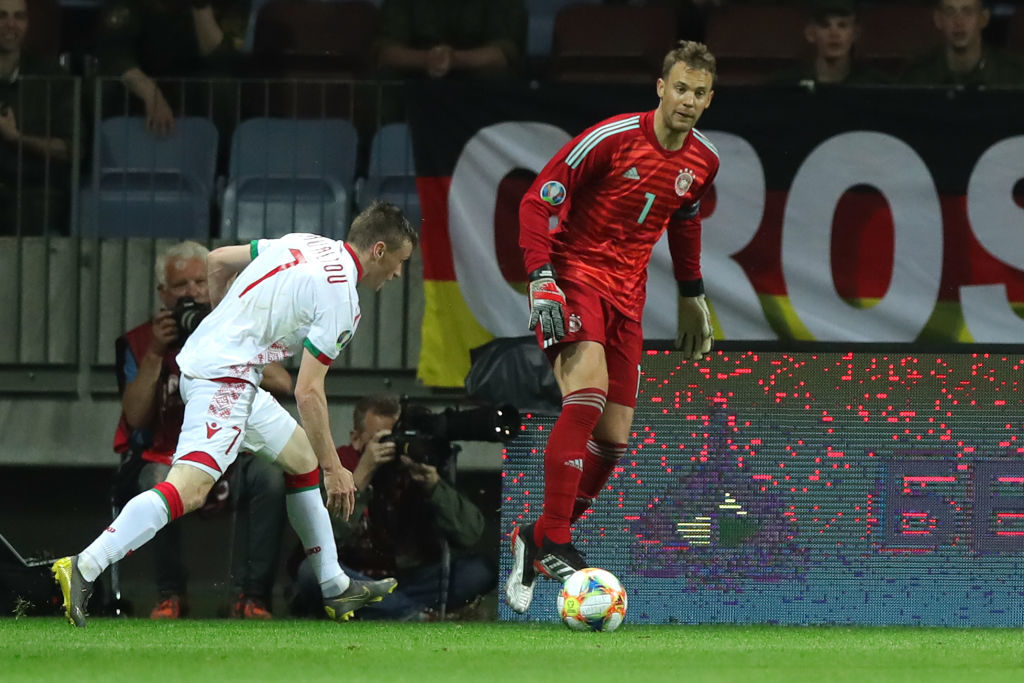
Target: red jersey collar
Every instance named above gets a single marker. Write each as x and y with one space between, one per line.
647 126
359 266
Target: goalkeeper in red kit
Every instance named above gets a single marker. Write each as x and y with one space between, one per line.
615 189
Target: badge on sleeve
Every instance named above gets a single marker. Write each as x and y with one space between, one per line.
553 192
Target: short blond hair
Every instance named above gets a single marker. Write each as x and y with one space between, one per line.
693 54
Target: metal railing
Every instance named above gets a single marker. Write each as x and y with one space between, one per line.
40 167
78 273
65 301
94 160
74 282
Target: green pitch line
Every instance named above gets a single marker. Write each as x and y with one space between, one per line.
46 649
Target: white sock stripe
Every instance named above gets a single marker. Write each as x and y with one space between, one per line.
608 452
589 399
599 405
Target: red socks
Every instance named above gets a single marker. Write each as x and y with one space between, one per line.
598 464
564 461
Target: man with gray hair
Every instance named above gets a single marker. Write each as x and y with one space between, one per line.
151 417
272 299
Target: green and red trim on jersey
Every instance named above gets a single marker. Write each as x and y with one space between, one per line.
317 353
296 483
171 498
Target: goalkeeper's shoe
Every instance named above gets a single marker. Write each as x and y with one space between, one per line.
559 561
358 594
519 585
75 588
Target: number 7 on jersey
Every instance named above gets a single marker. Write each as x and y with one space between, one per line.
297 258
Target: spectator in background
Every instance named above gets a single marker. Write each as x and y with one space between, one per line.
404 512
151 418
144 40
691 15
964 58
454 38
36 123
832 30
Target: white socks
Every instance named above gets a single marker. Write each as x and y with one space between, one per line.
312 523
140 519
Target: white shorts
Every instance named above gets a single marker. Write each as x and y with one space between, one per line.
224 417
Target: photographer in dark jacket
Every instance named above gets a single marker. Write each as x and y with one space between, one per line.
405 511
152 413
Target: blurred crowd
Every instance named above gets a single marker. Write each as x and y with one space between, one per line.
133 54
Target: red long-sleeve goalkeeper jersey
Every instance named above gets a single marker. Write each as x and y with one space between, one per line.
615 189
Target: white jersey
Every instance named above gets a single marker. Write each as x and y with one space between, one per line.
298 291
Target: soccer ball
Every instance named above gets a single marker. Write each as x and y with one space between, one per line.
592 599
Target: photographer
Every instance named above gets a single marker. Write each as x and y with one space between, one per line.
152 414
404 511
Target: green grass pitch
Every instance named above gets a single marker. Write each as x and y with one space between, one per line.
47 649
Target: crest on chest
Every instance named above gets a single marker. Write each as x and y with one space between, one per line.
683 181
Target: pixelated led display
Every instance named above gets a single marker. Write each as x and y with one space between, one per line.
841 487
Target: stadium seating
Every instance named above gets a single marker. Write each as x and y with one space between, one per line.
541 24
307 36
751 42
392 174
306 42
148 185
611 43
289 176
893 34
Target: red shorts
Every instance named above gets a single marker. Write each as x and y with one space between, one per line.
591 318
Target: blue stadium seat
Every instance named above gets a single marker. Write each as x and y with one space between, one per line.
149 185
289 175
392 174
540 25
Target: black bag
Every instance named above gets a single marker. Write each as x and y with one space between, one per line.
513 370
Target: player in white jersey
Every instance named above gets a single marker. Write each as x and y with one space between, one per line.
272 299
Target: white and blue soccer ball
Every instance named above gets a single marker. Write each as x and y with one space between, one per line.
592 599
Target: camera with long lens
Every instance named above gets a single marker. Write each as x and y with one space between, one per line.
187 314
426 437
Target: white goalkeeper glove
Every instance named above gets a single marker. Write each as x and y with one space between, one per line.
693 331
547 305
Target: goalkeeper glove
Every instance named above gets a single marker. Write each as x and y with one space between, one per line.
693 336
547 305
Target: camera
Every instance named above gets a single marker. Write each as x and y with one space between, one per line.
426 437
187 314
